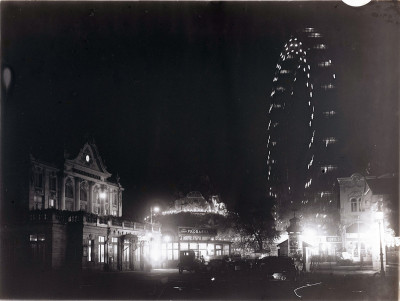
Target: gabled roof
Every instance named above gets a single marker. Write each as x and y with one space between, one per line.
89 159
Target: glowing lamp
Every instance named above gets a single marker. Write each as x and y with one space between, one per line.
379 215
102 195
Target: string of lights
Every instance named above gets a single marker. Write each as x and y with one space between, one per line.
300 140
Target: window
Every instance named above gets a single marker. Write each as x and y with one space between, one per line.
218 250
83 192
353 205
38 178
83 206
360 206
210 249
91 250
38 201
101 248
51 203
69 189
37 247
53 183
114 196
114 242
126 251
226 249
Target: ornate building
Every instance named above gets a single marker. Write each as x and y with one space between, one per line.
82 184
72 219
360 199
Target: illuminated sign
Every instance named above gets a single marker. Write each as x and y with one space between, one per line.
197 231
333 239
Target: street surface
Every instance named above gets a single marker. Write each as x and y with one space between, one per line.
168 284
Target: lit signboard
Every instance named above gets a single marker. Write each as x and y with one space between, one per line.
197 231
333 239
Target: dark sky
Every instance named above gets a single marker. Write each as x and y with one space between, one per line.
174 92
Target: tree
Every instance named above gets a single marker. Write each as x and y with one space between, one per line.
256 225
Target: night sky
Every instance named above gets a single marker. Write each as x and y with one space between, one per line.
176 94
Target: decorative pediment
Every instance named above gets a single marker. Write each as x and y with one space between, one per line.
88 160
355 181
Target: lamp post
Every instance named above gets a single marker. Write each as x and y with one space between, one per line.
155 209
379 217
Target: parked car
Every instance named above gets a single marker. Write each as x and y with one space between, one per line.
217 266
278 268
189 262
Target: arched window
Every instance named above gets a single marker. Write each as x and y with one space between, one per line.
84 192
353 205
39 178
360 205
69 189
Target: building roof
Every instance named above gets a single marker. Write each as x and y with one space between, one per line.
384 185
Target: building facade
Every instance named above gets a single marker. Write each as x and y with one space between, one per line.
362 227
73 220
81 184
191 223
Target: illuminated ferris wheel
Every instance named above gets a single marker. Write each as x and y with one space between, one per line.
301 137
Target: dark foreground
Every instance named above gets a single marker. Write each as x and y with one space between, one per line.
169 284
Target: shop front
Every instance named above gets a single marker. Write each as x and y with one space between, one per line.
200 240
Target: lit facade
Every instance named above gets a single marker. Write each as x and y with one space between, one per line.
360 200
188 225
82 184
73 220
302 133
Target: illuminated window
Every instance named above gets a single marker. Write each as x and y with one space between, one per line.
283 71
37 248
325 64
329 114
114 247
314 35
320 46
101 248
51 203
38 201
327 86
126 251
91 250
329 140
218 250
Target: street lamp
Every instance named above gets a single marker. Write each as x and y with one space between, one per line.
379 217
155 209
